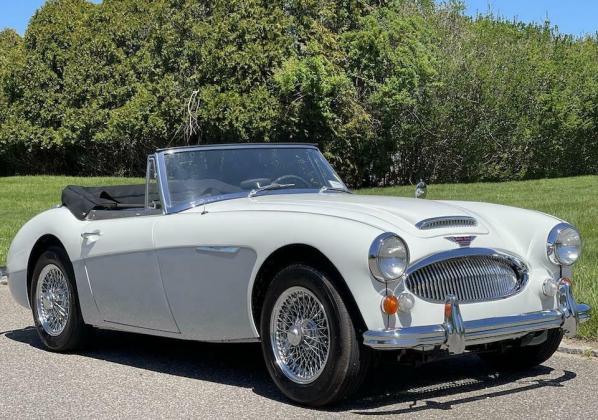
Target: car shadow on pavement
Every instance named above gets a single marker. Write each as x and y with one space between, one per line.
231 364
444 384
459 380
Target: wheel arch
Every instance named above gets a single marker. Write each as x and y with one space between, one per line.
301 254
42 244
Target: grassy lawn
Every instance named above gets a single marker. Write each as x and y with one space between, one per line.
572 199
22 197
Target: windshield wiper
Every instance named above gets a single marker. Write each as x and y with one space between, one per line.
334 189
273 186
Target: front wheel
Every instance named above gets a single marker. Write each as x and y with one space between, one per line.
55 304
309 340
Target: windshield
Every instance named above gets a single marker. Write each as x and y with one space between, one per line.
196 176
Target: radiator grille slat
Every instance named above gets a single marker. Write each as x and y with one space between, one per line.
474 278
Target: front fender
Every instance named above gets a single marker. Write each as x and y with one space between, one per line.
522 231
56 222
345 243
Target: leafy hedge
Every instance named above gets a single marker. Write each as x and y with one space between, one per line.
392 91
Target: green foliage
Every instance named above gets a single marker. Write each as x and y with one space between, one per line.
392 90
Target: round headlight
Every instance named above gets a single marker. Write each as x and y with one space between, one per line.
564 244
388 257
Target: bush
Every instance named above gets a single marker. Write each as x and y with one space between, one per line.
392 91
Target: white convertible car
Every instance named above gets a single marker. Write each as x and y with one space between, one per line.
263 242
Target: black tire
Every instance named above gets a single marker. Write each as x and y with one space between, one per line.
517 357
75 333
347 361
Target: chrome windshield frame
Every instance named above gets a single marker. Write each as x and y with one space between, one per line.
151 159
169 208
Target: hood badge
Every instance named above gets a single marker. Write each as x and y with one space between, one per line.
462 241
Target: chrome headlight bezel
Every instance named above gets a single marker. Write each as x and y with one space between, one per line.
554 240
375 258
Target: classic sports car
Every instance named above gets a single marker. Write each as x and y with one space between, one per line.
264 242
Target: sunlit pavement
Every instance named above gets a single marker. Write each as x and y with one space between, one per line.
127 375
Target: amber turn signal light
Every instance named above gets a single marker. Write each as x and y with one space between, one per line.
567 281
448 310
390 304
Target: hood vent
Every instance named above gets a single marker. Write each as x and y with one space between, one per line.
446 222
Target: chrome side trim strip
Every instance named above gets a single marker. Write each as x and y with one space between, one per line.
218 249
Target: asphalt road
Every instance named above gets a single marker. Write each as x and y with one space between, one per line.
132 376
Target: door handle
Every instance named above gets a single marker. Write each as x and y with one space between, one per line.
86 235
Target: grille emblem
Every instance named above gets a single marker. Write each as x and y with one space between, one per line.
462 241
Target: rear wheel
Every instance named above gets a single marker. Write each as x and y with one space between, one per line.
522 357
55 304
308 339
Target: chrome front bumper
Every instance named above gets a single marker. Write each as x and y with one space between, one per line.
455 334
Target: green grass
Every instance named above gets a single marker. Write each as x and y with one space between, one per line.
572 199
22 197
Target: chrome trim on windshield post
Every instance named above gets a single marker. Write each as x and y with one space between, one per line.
150 160
163 182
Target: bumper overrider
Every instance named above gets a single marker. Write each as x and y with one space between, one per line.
455 334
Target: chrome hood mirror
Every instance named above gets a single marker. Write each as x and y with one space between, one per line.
421 189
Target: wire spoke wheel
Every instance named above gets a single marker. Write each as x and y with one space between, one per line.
53 300
300 335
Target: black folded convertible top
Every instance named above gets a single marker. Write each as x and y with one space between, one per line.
81 200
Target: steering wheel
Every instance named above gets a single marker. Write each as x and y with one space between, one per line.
288 179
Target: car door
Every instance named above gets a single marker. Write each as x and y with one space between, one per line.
123 272
206 272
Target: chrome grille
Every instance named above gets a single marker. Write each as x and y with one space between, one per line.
474 278
446 222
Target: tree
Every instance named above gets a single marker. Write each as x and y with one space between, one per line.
392 91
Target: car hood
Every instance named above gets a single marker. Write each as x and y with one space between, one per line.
384 212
